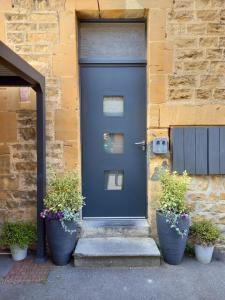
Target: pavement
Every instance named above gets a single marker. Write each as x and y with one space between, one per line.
190 280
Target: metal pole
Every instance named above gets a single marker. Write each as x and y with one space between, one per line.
41 173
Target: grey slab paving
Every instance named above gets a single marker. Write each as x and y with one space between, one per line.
190 280
116 246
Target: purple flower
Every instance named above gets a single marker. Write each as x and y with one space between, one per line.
184 216
42 215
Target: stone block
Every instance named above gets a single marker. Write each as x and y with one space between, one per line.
4 164
184 81
217 67
157 24
181 15
212 81
208 42
203 4
66 125
68 27
71 155
184 4
154 3
180 94
216 28
189 54
64 60
176 30
16 37
8 182
185 42
4 149
69 92
171 115
86 5
219 94
153 119
18 26
214 54
208 15
25 166
161 58
42 37
43 16
221 42
199 183
8 128
157 88
196 67
122 13
218 4
196 29
203 94
27 134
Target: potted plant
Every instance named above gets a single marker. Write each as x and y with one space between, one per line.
63 203
204 234
18 236
172 217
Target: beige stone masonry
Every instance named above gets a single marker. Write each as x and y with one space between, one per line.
185 87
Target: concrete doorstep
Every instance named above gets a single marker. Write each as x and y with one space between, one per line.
116 252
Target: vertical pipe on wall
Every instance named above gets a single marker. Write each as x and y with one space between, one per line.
41 172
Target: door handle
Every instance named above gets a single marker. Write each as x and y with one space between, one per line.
142 144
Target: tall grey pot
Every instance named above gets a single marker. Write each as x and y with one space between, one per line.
61 243
172 244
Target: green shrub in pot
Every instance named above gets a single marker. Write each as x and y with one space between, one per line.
18 236
172 217
204 234
63 203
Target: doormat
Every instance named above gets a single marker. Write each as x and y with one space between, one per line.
27 271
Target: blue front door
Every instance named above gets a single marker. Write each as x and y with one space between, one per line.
113 112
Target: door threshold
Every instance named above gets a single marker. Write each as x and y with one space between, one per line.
113 218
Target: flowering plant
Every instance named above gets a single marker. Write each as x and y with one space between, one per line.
63 200
172 202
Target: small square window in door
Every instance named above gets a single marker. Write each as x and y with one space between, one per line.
113 180
113 143
113 106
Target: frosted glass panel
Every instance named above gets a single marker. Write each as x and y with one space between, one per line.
113 180
113 142
112 40
113 106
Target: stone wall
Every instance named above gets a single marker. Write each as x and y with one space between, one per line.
189 89
186 86
17 156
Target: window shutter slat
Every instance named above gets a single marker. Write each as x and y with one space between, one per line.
189 150
178 149
201 151
214 150
222 150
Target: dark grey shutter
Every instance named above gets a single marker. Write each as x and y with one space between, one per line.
201 150
214 150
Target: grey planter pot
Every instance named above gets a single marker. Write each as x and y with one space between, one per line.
204 253
61 244
172 244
